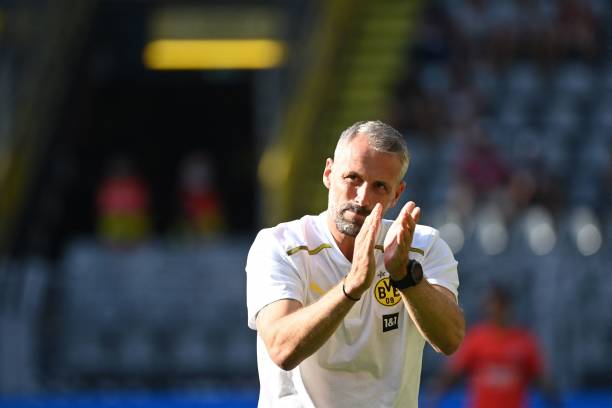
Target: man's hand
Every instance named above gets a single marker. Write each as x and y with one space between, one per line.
432 308
363 267
399 239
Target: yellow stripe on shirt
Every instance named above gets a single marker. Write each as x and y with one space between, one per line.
310 251
412 249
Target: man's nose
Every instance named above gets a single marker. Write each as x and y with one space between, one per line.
363 195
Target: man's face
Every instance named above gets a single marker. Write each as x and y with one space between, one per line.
357 179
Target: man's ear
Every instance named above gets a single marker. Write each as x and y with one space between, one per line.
327 171
398 193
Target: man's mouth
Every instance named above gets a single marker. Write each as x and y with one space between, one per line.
358 211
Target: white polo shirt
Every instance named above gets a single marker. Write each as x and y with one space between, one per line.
374 357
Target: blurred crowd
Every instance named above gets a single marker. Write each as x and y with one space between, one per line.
507 111
510 98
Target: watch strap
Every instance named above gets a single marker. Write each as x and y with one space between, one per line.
409 279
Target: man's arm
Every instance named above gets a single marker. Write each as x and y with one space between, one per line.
436 314
292 332
433 308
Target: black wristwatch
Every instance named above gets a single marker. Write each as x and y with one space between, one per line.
413 276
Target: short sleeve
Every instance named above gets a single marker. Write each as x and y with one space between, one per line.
440 266
271 276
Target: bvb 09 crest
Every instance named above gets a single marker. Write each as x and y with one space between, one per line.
386 294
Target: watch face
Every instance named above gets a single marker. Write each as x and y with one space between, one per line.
416 271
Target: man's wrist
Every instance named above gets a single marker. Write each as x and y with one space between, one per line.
397 273
412 277
351 291
347 294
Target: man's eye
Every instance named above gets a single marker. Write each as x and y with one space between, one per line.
381 187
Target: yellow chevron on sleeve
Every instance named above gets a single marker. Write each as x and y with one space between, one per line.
310 251
412 249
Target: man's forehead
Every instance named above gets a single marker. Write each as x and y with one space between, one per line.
355 149
358 140
365 160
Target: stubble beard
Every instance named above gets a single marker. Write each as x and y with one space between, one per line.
348 227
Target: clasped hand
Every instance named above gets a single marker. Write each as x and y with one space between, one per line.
397 245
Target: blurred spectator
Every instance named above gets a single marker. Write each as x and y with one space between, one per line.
533 31
500 360
463 101
201 213
481 167
522 189
577 29
417 111
487 29
474 21
122 202
435 35
534 186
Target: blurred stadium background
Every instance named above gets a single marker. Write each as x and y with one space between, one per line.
144 142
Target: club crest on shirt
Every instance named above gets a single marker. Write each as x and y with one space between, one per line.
386 294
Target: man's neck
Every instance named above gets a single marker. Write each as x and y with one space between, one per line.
345 243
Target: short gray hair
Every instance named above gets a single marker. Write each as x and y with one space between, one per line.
381 137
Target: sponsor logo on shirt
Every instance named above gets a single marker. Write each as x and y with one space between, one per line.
390 322
386 294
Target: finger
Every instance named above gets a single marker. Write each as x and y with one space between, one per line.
413 219
404 213
370 218
378 219
374 220
413 212
416 214
410 224
407 209
376 211
408 220
376 216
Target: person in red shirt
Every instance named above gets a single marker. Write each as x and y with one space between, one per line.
122 202
200 202
499 360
